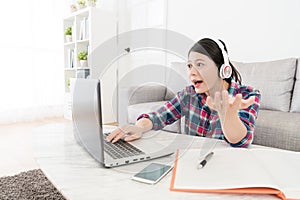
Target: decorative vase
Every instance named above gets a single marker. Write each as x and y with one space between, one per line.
80 6
83 63
69 38
91 3
73 8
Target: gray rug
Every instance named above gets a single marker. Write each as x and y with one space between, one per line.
32 184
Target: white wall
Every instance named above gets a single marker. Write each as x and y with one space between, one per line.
140 14
256 30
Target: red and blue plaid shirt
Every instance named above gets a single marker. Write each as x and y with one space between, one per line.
199 119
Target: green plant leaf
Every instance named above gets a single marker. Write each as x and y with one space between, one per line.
82 55
68 31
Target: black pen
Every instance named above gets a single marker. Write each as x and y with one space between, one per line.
204 161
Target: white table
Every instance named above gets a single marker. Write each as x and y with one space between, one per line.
79 177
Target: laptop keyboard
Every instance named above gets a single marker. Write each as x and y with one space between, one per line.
120 149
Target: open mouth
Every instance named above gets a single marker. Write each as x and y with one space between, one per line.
197 83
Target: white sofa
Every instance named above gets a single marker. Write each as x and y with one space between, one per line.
278 122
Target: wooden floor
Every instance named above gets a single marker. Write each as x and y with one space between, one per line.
16 154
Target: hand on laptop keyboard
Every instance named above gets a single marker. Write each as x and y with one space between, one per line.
126 132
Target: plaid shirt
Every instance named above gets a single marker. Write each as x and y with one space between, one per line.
199 119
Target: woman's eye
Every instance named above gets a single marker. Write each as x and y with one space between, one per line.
189 66
199 64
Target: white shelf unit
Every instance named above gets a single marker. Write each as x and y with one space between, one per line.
91 26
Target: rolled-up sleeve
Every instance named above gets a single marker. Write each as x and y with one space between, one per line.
248 117
167 114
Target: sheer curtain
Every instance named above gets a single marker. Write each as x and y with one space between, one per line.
31 53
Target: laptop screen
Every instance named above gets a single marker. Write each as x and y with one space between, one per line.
86 111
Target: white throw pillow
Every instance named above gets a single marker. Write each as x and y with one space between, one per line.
295 107
274 79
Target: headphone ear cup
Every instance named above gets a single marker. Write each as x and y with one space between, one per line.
225 71
221 71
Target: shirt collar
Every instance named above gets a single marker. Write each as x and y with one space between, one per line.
202 96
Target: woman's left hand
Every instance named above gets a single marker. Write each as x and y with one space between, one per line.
226 105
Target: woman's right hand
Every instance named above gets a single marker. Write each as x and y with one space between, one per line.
126 132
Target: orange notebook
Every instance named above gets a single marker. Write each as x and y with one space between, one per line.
239 170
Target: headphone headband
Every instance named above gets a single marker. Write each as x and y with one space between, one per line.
224 53
225 70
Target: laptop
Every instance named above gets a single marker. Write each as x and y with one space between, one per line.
88 131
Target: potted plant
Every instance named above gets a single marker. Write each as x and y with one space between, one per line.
68 82
68 34
73 7
81 4
82 57
91 3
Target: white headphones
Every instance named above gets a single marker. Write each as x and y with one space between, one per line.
225 70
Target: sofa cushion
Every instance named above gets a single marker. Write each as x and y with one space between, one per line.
278 129
137 109
147 93
274 79
295 106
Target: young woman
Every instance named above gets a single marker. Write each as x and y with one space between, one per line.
215 105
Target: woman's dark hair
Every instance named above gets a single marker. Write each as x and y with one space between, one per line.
211 49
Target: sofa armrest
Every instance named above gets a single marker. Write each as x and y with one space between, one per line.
137 95
136 109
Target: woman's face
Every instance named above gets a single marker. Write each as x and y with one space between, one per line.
203 73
